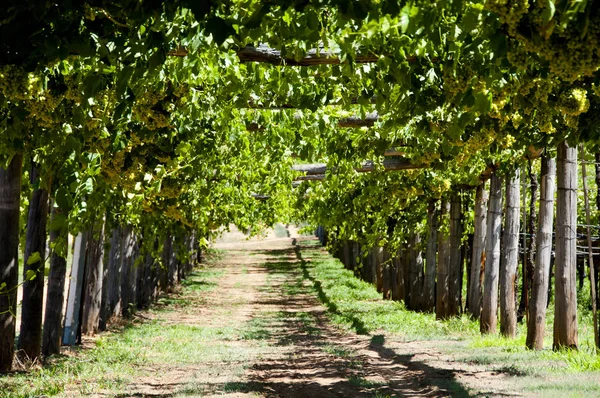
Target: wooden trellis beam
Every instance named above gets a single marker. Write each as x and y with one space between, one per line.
365 167
264 54
254 105
347 122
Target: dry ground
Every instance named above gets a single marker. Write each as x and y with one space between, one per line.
290 348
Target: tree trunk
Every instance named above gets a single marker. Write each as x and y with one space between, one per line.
455 266
430 258
155 271
345 256
356 258
510 262
114 273
416 272
127 253
145 278
596 263
489 308
378 265
55 297
388 275
10 194
478 255
565 302
173 262
442 304
72 315
590 250
103 315
536 321
164 269
529 268
135 269
30 337
92 293
397 275
405 267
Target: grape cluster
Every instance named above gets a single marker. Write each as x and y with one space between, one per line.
152 111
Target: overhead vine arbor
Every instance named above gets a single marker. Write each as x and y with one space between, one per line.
152 125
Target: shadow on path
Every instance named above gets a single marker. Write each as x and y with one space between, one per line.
319 360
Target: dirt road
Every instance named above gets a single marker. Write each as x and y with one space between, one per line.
283 344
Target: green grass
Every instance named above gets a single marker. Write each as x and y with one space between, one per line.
361 382
338 351
356 305
120 357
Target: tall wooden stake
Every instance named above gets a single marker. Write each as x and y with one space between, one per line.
489 308
565 290
478 254
508 267
536 320
590 252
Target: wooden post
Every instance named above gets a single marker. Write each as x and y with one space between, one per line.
172 274
163 278
597 264
356 258
135 264
442 294
387 284
590 250
346 255
478 254
56 291
75 287
10 195
127 253
529 263
415 283
378 264
397 276
145 282
455 265
405 267
508 267
114 273
489 308
30 337
430 258
536 321
565 296
92 293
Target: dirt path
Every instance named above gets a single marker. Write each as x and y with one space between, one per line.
283 344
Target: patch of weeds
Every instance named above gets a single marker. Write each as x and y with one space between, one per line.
237 386
361 382
211 254
381 395
378 339
577 361
308 323
294 288
260 328
192 389
337 351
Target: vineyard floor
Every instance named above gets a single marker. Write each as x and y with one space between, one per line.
261 319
